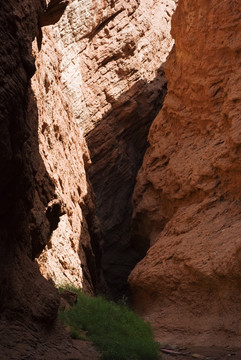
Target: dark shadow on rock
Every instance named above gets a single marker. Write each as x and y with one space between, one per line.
117 145
90 251
28 302
17 177
46 207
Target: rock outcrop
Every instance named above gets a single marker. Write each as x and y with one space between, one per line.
108 47
187 198
96 70
25 295
21 284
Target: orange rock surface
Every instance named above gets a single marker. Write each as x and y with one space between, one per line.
187 197
65 156
98 68
102 57
108 47
28 303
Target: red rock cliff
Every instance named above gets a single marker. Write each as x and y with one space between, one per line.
99 72
104 60
187 198
32 203
25 296
62 200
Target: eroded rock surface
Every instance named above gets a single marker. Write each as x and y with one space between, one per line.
31 207
127 75
26 297
20 279
95 65
187 197
99 72
63 198
111 70
108 48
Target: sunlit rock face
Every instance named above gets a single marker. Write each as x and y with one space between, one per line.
187 197
108 47
63 198
99 73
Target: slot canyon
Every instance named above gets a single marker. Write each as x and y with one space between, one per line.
120 169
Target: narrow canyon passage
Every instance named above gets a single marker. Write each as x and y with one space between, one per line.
117 146
114 142
113 74
99 83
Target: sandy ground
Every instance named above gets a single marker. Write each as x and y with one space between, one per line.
203 353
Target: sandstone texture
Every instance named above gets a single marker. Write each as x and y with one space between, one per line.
22 287
31 206
110 50
99 73
187 198
92 72
111 68
25 295
62 197
27 341
131 49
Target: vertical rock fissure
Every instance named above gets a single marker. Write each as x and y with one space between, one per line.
117 146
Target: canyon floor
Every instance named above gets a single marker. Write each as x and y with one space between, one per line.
205 353
21 342
191 353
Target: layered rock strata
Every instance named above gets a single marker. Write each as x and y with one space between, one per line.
187 198
25 295
109 47
112 54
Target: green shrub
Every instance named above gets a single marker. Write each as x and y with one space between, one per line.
116 331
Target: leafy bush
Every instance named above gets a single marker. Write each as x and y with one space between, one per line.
115 330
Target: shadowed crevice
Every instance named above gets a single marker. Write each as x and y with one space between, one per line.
117 145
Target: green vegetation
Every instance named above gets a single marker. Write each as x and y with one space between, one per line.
115 330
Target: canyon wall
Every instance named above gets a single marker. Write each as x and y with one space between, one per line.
187 197
108 64
78 94
27 300
63 199
21 282
36 205
97 71
132 48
